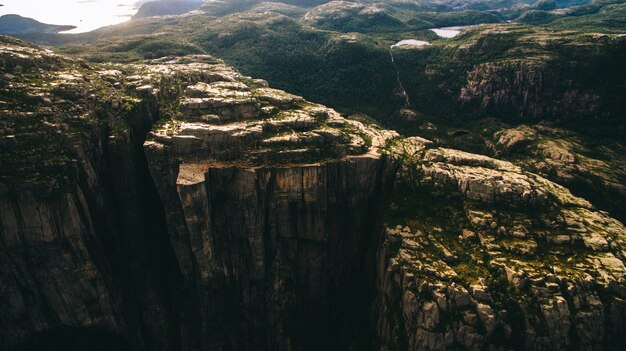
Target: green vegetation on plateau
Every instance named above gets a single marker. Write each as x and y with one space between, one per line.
558 63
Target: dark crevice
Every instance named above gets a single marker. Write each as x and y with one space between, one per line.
76 339
131 237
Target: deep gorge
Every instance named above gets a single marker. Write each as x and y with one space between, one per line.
175 204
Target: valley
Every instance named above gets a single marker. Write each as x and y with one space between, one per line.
306 175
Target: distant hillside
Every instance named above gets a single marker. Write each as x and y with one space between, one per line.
16 24
167 7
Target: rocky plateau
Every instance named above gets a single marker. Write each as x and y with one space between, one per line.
176 204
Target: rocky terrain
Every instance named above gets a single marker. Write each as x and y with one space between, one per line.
241 220
594 170
519 73
176 204
502 257
271 205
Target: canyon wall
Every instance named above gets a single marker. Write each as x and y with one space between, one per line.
273 206
247 221
178 205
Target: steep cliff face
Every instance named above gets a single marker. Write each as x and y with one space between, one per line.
517 72
525 89
272 256
273 205
78 240
267 211
178 205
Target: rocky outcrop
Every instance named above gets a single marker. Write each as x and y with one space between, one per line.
595 172
272 205
545 76
175 204
507 260
515 72
266 213
526 89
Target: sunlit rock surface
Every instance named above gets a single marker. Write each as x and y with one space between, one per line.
178 204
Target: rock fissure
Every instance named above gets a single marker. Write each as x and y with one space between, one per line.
215 213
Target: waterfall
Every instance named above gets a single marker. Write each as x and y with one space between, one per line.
407 102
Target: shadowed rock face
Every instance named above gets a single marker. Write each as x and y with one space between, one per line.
178 205
272 205
266 212
76 339
83 243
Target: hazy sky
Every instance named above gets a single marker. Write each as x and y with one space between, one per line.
85 14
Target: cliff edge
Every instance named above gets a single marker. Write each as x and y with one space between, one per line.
175 204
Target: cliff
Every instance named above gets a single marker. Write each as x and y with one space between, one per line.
266 210
272 205
82 243
480 254
175 204
519 73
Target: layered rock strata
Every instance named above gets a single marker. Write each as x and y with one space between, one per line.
265 210
272 206
507 260
81 238
178 205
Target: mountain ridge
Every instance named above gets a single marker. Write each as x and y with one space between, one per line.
220 193
466 194
16 24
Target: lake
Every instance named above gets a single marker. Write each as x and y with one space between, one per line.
445 32
411 42
86 15
448 32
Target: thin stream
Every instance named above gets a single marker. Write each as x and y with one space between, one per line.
403 93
